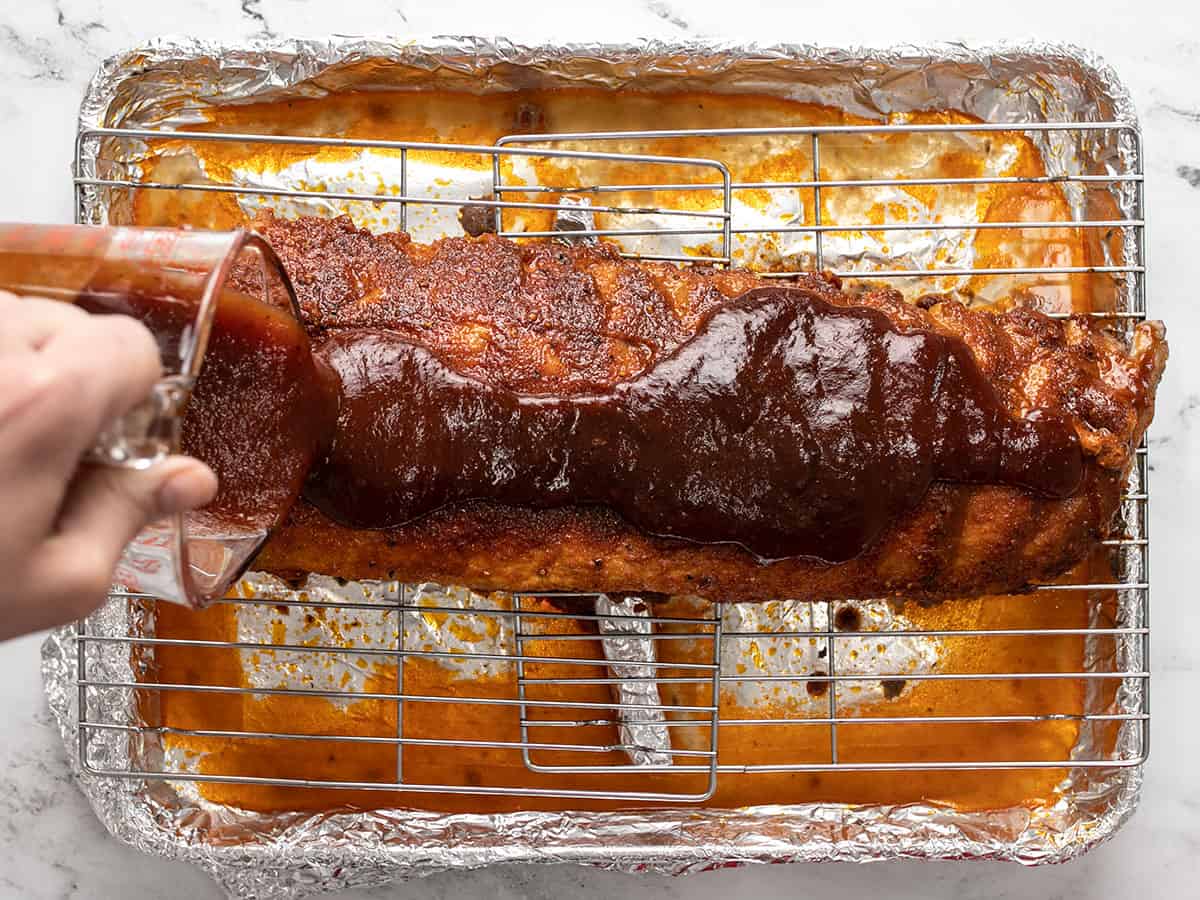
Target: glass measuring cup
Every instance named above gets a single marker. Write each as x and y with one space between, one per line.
192 558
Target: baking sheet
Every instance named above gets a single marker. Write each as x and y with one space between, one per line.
172 81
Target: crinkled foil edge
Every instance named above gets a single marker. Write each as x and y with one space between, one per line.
264 65
302 854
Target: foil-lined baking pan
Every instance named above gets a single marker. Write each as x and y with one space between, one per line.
171 82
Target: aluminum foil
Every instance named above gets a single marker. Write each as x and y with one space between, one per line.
177 81
295 855
173 81
624 631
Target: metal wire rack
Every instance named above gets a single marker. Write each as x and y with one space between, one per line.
628 699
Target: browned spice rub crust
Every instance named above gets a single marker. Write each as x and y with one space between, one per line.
551 318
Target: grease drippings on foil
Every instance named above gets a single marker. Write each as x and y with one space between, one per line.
349 648
766 220
767 681
352 645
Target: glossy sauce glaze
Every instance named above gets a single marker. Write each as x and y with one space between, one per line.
263 407
787 425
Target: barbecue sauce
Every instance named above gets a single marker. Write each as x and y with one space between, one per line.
786 425
263 406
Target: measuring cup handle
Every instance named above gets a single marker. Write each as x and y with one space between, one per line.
147 433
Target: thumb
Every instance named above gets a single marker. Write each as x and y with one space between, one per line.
106 507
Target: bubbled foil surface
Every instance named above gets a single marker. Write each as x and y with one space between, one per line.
170 82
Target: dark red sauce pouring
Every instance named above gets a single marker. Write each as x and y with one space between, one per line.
263 407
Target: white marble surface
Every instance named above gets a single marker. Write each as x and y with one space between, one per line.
51 845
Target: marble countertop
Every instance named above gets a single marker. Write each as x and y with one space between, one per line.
51 846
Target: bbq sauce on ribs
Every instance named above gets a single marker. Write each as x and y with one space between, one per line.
785 425
573 321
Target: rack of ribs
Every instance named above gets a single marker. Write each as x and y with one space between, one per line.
572 322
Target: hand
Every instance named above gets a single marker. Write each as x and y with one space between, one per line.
64 376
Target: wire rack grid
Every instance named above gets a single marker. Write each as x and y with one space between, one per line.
658 689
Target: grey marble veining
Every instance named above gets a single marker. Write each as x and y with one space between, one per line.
50 844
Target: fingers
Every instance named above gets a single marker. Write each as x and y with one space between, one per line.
65 376
120 502
112 360
104 511
107 507
27 322
77 375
